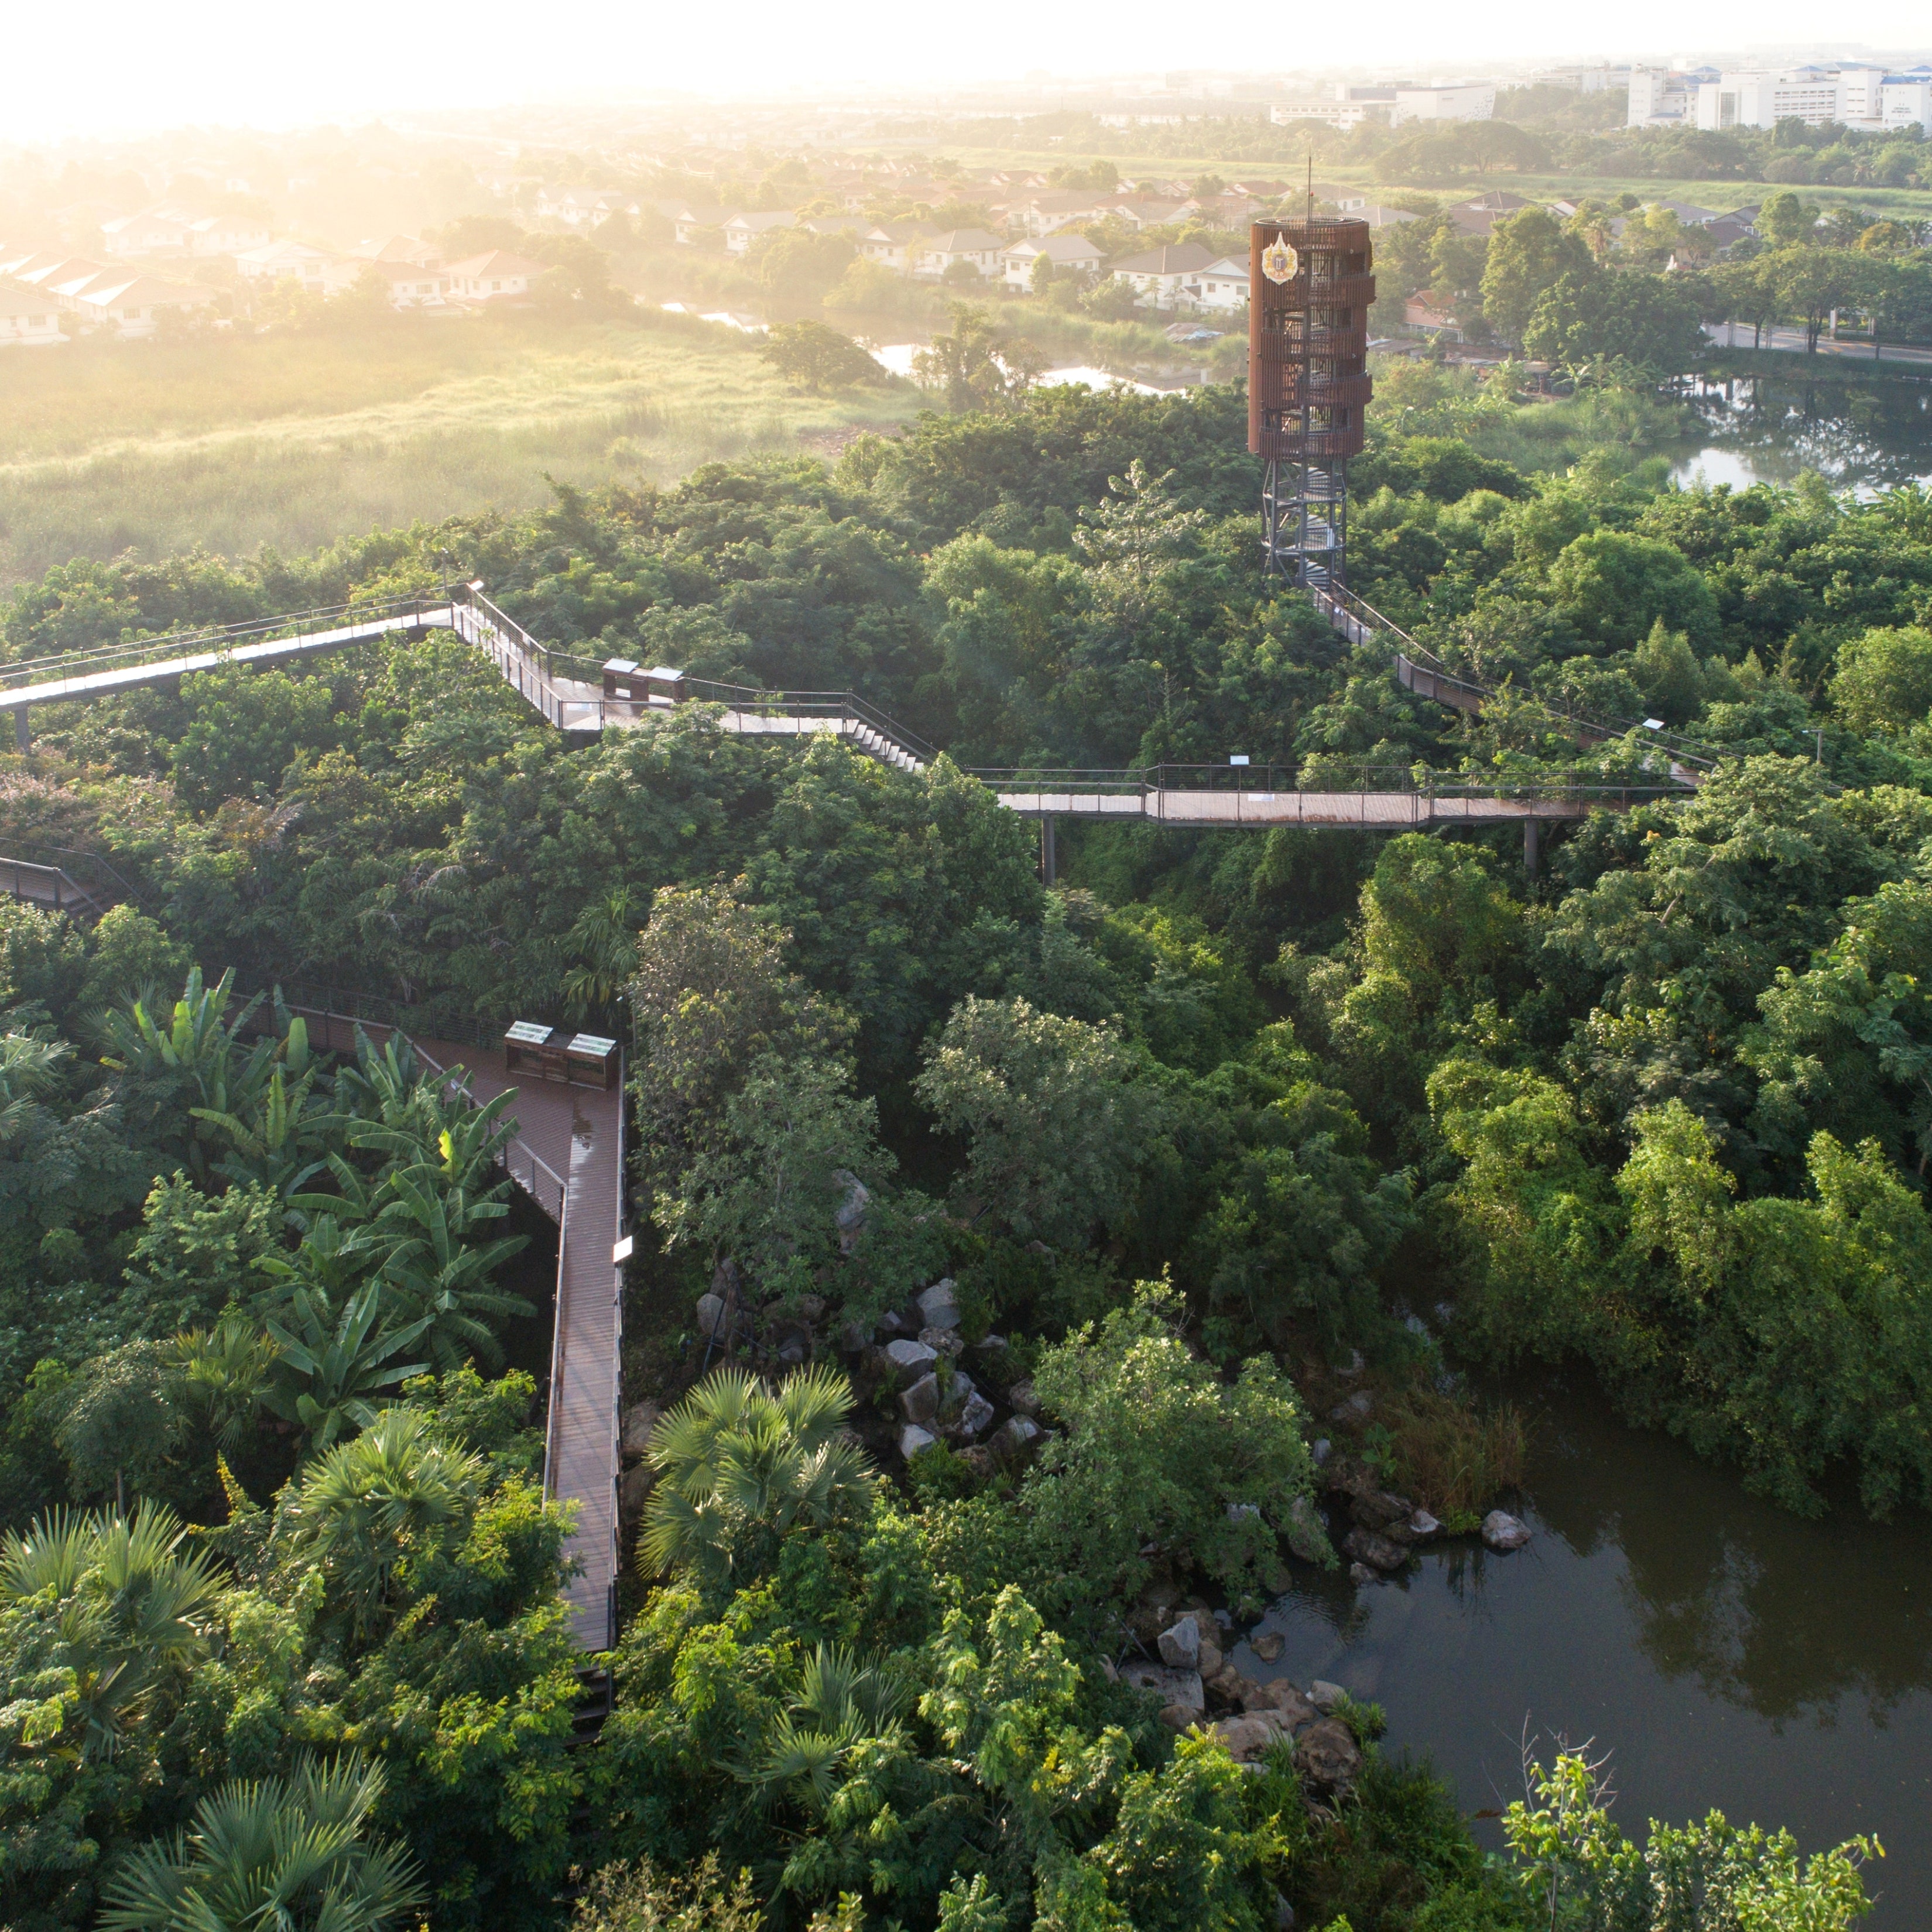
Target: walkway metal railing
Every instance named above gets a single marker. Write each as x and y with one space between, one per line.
1418 669
1274 784
222 639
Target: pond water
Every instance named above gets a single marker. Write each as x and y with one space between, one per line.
1867 435
1726 1653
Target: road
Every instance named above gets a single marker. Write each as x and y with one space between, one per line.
1740 335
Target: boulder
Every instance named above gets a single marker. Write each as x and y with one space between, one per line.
849 1220
1322 1451
976 1415
1267 1646
1287 1703
1231 1687
979 1458
1211 1658
1422 1526
1244 1512
790 1342
1016 1440
1178 1717
1378 1551
1502 1531
1180 1645
1284 1914
1357 1408
634 1490
1172 1686
909 1359
939 1307
920 1402
1307 1537
912 1439
811 1307
1020 1399
1248 1738
942 1341
1377 1509
1325 1697
1327 1757
893 1323
1359 1574
854 1337
711 1317
640 1419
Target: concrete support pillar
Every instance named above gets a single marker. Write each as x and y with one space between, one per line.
1532 846
1047 868
23 731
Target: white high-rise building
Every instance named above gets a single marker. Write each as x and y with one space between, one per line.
1905 100
1444 100
1816 95
1658 98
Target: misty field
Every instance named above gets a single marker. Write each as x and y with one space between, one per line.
291 440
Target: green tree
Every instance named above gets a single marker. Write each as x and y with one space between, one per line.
1614 587
1617 314
1061 1117
1882 680
1785 221
819 358
1527 254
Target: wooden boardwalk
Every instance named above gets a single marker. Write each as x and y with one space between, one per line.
568 1157
576 1135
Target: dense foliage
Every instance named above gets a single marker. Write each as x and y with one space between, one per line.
1219 1111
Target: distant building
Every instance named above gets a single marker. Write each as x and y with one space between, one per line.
1479 216
1428 314
1156 277
133 305
892 243
1818 96
1221 285
583 207
742 230
494 276
1905 100
28 319
1069 254
973 246
287 261
1658 98
152 232
1454 100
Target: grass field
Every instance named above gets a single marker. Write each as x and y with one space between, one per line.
292 440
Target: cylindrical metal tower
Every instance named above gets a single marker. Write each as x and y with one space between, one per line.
1309 289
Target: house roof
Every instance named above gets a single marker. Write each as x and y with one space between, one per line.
758 223
49 271
142 291
1227 267
284 250
14 301
497 262
1060 247
963 241
1183 258
898 231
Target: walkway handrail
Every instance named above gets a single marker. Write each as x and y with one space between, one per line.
1336 600
1278 780
811 704
220 638
63 858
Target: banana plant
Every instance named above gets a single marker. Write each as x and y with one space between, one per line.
268 1150
456 1141
335 1371
439 1276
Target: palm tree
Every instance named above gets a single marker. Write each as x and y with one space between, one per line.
739 1464
29 1069
328 1379
128 1608
368 1506
843 1701
276 1856
605 940
221 1376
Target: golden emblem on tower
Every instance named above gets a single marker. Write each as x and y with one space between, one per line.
1280 262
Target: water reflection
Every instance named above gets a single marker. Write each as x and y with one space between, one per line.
1863 434
1726 1653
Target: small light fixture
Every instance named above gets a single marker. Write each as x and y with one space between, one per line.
1653 724
1239 758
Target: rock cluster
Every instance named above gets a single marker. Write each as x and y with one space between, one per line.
1193 1677
1385 1528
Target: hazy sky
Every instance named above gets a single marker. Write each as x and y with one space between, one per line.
115 65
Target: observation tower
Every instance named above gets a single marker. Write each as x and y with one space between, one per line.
1309 289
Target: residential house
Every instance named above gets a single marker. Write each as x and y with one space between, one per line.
973 246
494 276
132 305
1157 277
1221 285
287 261
28 319
1070 253
742 230
893 244
691 220
1429 314
209 234
412 284
584 207
52 272
834 224
1378 217
1060 208
154 231
1479 216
